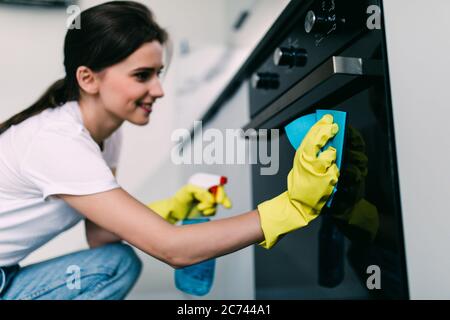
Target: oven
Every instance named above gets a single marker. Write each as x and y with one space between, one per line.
332 55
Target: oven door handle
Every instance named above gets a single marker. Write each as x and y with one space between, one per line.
336 66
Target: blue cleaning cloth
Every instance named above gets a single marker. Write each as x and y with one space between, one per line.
297 130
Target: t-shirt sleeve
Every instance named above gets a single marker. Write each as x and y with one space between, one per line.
58 161
112 148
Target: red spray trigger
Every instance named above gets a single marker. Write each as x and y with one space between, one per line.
223 180
208 181
213 190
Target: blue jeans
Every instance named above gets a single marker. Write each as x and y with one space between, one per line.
103 273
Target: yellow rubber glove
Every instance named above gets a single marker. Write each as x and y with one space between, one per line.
221 198
203 209
310 182
190 199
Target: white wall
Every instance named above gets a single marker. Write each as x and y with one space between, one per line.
419 65
31 41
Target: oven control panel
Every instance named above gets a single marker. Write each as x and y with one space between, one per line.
323 28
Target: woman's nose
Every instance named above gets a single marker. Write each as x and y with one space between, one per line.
156 90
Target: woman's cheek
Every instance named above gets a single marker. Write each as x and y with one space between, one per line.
133 90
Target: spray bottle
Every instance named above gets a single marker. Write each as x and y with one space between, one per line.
198 278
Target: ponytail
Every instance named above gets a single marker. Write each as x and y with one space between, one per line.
55 96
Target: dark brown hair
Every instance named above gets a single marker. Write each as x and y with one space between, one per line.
108 34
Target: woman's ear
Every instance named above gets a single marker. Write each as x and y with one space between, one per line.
87 80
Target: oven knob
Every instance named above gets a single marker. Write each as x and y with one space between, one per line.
265 80
319 23
292 57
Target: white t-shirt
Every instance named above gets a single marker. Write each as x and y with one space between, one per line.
47 154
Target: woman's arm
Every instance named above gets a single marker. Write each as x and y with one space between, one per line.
97 236
119 213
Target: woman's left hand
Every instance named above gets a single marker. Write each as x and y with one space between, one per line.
190 200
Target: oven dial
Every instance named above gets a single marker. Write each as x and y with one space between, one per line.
319 23
291 57
265 80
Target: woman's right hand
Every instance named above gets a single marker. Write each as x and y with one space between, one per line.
310 183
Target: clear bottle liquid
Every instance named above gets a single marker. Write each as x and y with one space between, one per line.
198 278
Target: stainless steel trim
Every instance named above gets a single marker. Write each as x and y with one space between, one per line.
255 80
277 55
310 21
346 65
336 65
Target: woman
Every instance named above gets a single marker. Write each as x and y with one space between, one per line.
55 170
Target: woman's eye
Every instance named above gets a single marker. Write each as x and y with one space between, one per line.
142 76
145 76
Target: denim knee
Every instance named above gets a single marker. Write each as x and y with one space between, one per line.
126 258
122 266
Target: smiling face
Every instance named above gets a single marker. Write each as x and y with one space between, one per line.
128 89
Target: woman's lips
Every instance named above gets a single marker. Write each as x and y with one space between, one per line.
147 107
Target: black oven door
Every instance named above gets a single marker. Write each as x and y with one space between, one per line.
354 250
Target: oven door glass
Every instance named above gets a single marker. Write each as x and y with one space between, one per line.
354 250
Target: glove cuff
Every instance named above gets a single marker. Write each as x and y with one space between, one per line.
278 217
164 209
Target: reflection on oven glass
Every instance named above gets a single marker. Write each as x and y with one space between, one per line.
357 218
350 212
363 208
